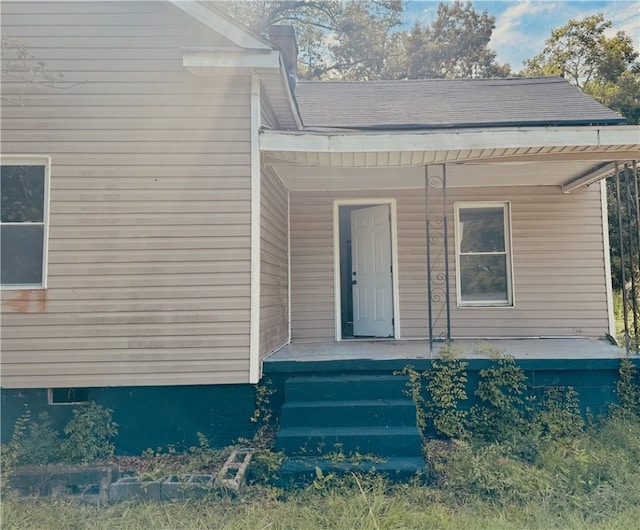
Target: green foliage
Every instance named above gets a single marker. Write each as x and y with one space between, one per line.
628 388
89 434
560 415
170 461
489 472
454 45
415 390
10 453
42 445
502 409
358 40
581 51
438 393
264 436
593 483
32 442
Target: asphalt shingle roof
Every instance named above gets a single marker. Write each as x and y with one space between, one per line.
437 103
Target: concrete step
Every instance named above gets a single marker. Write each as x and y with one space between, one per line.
383 412
345 387
304 470
383 441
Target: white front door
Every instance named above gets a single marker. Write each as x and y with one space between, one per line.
371 272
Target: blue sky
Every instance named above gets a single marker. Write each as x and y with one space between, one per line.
523 26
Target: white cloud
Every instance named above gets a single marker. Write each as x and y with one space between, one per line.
625 17
519 33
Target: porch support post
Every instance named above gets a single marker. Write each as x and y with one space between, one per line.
437 250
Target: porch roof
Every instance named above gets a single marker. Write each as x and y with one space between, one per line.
568 156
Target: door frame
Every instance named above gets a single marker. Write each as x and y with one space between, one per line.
337 203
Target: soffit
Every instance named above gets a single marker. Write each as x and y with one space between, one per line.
485 157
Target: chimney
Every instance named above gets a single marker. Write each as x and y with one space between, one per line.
284 37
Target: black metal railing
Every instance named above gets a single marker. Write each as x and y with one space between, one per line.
625 229
437 227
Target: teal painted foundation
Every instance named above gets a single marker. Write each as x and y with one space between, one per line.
595 380
155 417
151 417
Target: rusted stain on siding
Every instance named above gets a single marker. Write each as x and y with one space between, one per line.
29 301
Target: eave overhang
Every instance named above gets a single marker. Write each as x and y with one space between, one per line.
577 154
266 63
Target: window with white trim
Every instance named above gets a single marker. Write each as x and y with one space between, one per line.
23 222
483 254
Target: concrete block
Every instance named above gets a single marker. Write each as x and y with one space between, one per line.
190 487
134 488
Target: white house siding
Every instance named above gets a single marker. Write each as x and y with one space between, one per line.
558 261
274 267
149 241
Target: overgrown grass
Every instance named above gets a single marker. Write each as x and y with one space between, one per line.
588 481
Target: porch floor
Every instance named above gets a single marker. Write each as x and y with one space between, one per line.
378 350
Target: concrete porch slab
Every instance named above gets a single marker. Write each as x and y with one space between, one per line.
381 350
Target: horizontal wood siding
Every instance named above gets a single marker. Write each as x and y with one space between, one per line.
274 266
149 248
558 261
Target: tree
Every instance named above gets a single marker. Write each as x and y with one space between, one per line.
361 40
603 67
346 39
455 45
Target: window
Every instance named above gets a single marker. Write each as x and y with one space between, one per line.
68 396
483 254
23 222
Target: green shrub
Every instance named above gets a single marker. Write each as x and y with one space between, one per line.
32 442
559 416
89 434
628 388
502 412
438 393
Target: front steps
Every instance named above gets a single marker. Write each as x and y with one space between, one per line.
345 423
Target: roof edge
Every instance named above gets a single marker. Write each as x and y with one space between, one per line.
222 24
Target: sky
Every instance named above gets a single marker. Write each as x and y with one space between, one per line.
522 26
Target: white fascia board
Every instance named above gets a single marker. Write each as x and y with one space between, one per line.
202 60
225 26
598 173
456 139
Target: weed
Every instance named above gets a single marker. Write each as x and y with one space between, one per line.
264 436
438 393
628 388
89 434
560 415
200 458
501 414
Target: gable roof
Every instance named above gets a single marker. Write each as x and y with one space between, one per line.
443 103
250 53
223 24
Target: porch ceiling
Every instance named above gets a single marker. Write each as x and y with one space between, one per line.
565 156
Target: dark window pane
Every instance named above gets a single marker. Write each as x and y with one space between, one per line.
482 230
483 278
21 254
22 194
69 395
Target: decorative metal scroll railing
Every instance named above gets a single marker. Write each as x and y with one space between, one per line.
625 229
437 230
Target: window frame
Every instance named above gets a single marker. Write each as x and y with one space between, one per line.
508 253
34 160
